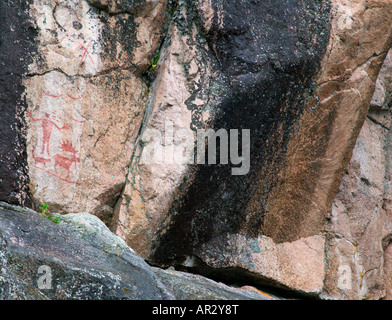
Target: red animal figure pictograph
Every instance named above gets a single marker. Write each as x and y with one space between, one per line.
38 160
47 127
64 162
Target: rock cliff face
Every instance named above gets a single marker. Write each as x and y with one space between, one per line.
359 232
108 107
87 98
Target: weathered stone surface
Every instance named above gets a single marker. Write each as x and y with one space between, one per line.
91 228
357 255
167 133
88 261
179 285
297 266
209 78
80 267
101 105
388 271
86 99
303 87
88 173
187 286
382 96
359 222
322 145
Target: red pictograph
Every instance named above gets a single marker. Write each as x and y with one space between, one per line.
52 95
64 162
47 127
86 53
74 98
78 121
38 160
59 95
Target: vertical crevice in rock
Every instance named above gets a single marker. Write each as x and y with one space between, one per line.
148 76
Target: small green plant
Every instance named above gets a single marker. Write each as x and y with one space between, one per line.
54 219
154 61
151 72
44 207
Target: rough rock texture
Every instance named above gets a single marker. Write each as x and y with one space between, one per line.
91 228
86 98
302 86
359 221
327 131
382 96
388 271
216 63
359 233
102 102
87 261
225 62
185 286
79 268
297 266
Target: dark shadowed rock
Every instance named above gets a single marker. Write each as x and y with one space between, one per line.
16 48
186 286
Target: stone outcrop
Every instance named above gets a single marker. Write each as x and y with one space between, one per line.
226 67
106 107
17 45
42 260
297 266
80 259
304 100
360 227
186 286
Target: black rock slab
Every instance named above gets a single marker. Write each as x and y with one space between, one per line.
266 53
17 36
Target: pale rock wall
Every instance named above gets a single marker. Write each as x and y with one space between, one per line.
359 232
86 100
165 146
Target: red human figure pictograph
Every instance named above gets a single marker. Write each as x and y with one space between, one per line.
64 162
47 127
